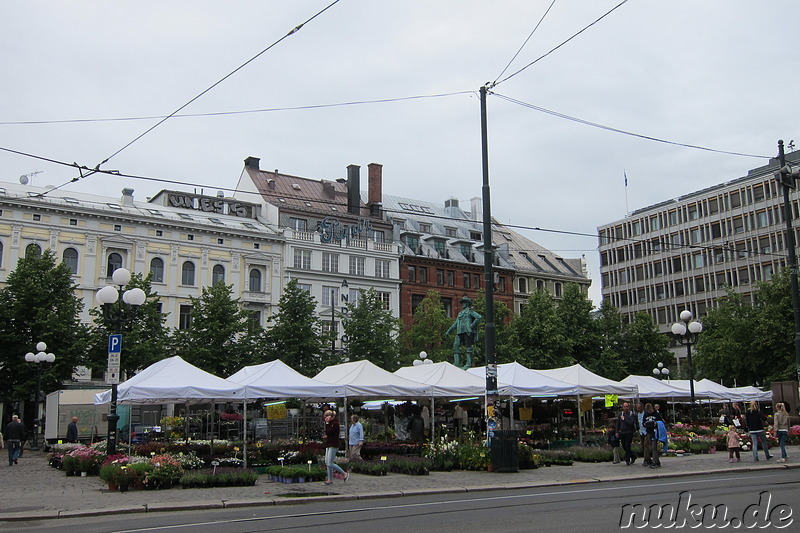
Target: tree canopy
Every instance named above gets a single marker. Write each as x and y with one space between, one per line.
372 332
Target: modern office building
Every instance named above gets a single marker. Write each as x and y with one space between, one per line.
683 253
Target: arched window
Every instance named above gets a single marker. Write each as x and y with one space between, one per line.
523 285
557 289
157 270
218 274
255 280
70 258
114 262
33 250
539 285
187 273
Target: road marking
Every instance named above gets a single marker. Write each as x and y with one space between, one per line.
658 484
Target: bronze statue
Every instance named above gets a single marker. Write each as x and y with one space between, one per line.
466 328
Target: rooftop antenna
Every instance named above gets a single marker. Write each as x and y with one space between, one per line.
25 179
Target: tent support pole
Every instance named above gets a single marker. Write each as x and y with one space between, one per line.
244 428
580 422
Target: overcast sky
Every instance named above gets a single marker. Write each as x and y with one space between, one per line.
720 74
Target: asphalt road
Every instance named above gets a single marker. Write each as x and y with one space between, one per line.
754 497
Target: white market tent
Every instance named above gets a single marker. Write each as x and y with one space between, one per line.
173 380
650 387
704 389
588 382
446 379
365 379
749 394
520 380
276 379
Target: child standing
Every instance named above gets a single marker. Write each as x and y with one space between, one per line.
733 444
613 441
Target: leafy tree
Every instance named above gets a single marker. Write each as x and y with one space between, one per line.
427 329
38 303
505 341
643 346
540 334
579 325
608 361
217 339
752 343
372 332
144 337
296 334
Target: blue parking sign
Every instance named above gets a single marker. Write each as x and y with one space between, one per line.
115 343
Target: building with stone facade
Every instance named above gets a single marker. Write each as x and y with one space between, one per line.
186 241
685 252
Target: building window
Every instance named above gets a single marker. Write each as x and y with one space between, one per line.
330 295
501 284
254 321
416 299
187 273
451 232
298 224
439 246
466 251
354 296
159 233
557 288
117 227
476 281
385 298
412 241
37 217
33 250
302 259
466 280
157 270
255 280
114 262
330 262
412 273
222 241
218 274
73 222
189 237
423 274
378 236
256 246
382 268
439 276
474 235
523 285
451 278
185 317
357 265
447 303
330 326
1 254
70 258
425 228
304 287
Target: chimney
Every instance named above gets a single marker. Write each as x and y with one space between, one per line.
451 208
328 189
252 162
476 208
354 189
375 183
127 196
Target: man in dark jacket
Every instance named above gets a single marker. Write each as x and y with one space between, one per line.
14 434
627 425
72 430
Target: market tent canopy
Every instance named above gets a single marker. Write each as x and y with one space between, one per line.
588 382
650 387
519 380
173 380
446 379
704 389
750 394
276 379
363 378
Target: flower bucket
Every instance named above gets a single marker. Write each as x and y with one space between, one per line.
84 474
712 449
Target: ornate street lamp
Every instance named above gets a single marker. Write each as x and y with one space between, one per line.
128 301
686 332
39 357
423 359
661 371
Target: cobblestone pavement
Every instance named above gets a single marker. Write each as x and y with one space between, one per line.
34 490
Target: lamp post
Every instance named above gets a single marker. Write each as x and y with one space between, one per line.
661 371
117 315
38 358
423 359
686 332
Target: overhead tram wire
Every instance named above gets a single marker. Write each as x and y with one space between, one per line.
624 132
234 71
526 42
242 112
338 204
495 83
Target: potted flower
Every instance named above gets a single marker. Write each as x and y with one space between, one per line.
124 478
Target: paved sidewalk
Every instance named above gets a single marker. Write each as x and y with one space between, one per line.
33 490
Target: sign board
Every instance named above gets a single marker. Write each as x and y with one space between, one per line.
115 343
112 376
113 359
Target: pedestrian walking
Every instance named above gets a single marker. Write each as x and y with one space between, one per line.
355 439
755 426
782 428
660 441
332 446
652 445
627 425
644 440
613 441
72 430
14 434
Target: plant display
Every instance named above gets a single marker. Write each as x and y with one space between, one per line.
219 477
295 473
370 468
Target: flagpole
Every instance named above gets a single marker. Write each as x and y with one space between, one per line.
627 211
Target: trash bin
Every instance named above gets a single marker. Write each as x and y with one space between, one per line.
505 451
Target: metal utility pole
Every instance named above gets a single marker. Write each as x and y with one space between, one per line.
488 261
787 178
